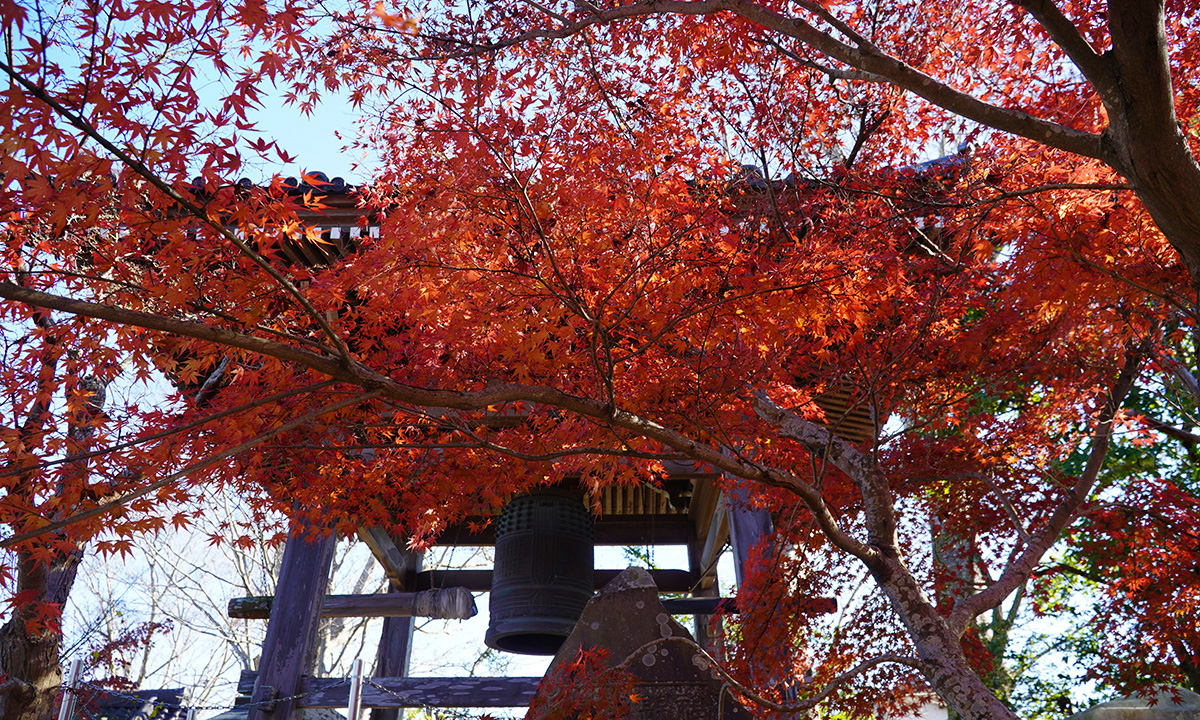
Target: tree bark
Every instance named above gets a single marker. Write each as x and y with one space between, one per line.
938 648
33 657
1144 141
1188 661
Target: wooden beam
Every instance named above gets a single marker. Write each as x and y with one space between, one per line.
481 580
399 563
292 629
383 692
395 604
700 605
401 605
615 530
403 692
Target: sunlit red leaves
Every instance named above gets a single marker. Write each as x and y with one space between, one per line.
1145 552
589 687
573 215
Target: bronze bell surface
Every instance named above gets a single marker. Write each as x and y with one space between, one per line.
543 575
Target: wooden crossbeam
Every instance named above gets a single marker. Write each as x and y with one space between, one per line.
399 564
481 580
405 692
401 605
396 604
616 530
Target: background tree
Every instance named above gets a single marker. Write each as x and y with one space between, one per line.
563 229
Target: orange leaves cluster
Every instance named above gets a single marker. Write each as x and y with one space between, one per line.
588 687
571 216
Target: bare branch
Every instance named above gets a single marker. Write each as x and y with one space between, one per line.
200 422
996 490
1181 372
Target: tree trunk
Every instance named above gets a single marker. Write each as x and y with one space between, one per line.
33 657
938 648
1144 141
1189 661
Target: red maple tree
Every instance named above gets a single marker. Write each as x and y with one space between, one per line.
566 232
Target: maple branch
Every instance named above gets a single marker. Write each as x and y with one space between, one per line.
858 466
486 445
862 56
837 23
699 309
151 321
358 374
174 430
200 465
598 16
995 490
1171 431
1066 35
1066 567
195 210
832 73
1181 372
1144 288
818 439
1019 568
866 57
1057 186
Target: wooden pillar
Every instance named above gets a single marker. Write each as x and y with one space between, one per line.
292 629
395 643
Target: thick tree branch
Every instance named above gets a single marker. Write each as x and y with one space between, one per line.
858 466
867 58
13 684
818 439
1064 34
864 57
356 373
1020 568
1143 66
1172 432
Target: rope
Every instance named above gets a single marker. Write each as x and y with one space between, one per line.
444 604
